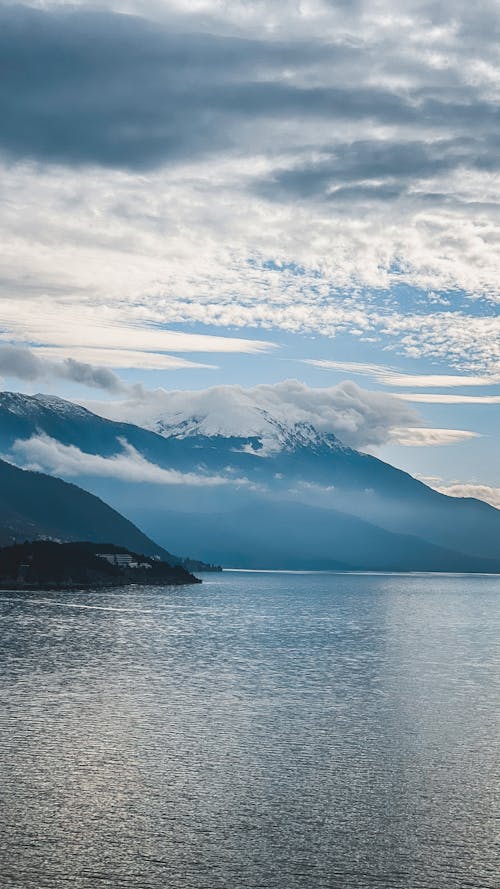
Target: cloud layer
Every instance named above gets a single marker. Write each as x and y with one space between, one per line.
390 377
138 94
44 454
316 167
424 437
489 493
360 418
24 364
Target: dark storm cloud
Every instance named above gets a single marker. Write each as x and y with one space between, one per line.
395 166
95 87
104 88
24 364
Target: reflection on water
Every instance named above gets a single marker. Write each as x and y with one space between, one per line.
259 731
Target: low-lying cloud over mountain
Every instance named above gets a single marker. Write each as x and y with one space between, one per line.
359 417
41 453
488 493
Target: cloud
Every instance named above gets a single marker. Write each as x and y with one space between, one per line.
360 418
44 454
25 364
107 327
316 167
445 398
480 492
425 437
377 169
130 268
390 377
123 101
477 490
137 95
123 358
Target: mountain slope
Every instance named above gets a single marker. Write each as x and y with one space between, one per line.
276 536
34 505
326 473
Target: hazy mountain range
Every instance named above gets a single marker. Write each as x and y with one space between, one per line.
286 496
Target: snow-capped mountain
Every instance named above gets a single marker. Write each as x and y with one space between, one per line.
358 418
278 493
25 406
272 434
261 432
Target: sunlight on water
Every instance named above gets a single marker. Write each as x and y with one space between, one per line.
262 730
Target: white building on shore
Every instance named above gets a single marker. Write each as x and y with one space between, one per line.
123 560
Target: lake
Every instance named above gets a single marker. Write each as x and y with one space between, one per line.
261 731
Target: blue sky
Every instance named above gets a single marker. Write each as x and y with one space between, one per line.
206 193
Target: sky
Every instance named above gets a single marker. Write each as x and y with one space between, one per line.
212 194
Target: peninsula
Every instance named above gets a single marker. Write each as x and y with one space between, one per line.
48 565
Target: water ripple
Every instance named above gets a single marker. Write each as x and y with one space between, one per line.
258 732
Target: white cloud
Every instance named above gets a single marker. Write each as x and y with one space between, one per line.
117 325
123 358
390 377
424 437
488 493
260 264
466 341
309 213
360 418
44 454
445 398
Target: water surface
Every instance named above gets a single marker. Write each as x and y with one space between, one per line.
261 731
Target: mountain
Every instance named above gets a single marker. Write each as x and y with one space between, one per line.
33 505
22 416
300 463
275 536
330 504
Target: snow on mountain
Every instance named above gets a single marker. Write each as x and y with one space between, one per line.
359 418
60 406
273 435
21 405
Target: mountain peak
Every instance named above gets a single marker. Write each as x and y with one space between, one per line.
301 435
275 434
29 405
59 405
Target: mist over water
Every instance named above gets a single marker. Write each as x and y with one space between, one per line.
261 731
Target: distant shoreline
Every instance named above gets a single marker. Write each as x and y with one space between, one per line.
366 573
